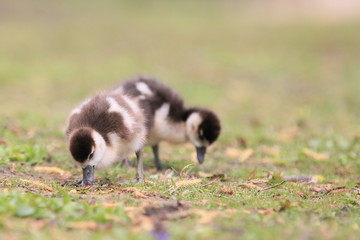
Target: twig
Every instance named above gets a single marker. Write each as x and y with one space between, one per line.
273 186
333 189
211 182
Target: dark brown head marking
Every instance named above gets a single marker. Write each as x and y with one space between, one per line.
81 144
209 128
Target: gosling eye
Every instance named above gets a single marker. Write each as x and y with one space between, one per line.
201 135
91 155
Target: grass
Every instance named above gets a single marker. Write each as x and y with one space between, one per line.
280 88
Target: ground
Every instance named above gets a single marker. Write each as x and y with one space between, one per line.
286 164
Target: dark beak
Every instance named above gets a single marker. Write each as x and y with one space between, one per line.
200 153
88 175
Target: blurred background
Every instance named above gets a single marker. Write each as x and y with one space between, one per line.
262 65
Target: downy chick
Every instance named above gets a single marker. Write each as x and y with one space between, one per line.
105 129
169 120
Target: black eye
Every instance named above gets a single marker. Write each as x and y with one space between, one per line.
91 155
201 135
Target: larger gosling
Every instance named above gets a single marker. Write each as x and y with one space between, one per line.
105 129
169 120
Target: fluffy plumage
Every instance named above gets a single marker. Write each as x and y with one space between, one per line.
105 129
168 118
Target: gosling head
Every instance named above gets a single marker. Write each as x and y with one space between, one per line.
87 147
202 128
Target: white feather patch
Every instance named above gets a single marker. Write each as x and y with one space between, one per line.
115 107
192 126
165 129
144 89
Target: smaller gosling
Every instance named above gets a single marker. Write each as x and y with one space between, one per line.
105 129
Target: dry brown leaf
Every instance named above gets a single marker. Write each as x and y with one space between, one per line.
110 205
241 155
274 151
135 191
50 170
202 202
187 183
143 224
266 211
84 225
262 211
229 191
321 187
204 175
73 191
115 219
134 211
246 154
315 155
288 134
233 152
2 142
207 217
259 181
342 190
5 191
301 194
37 184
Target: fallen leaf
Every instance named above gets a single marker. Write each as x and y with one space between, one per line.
274 151
288 134
301 194
315 155
50 170
229 191
259 181
37 184
207 217
266 211
73 191
204 175
246 154
2 142
110 205
84 225
262 211
143 224
341 189
241 155
5 191
135 191
242 141
321 187
233 152
187 183
203 201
